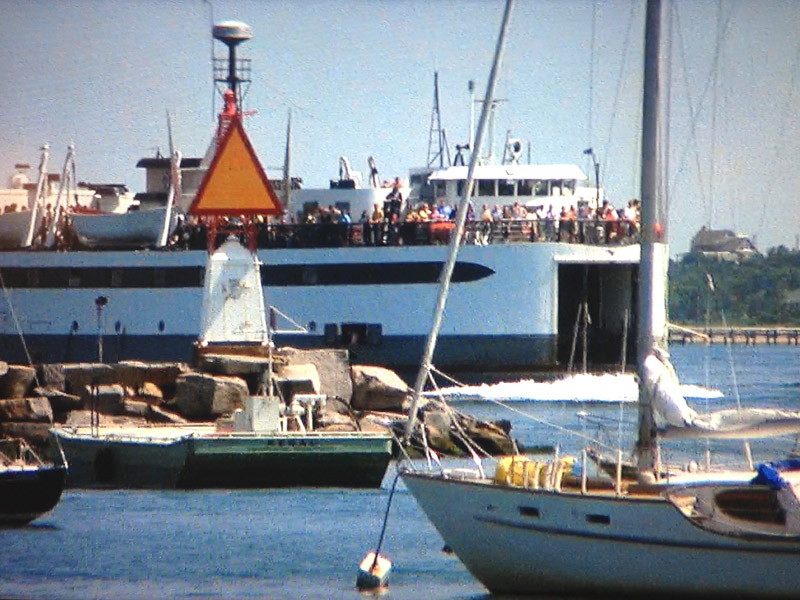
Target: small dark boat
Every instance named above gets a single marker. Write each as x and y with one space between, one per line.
29 487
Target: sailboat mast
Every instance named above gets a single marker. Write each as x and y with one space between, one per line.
653 262
458 234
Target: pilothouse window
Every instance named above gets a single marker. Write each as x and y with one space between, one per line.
486 187
525 187
505 188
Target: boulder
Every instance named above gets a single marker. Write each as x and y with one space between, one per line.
3 368
297 379
333 367
329 419
60 402
151 391
201 396
83 418
377 388
78 376
36 410
489 436
232 364
51 376
17 381
105 399
159 415
135 373
135 408
36 434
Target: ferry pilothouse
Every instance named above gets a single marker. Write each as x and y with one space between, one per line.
534 288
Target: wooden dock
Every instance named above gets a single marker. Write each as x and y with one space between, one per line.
750 336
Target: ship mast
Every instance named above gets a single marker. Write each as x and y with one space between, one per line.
652 264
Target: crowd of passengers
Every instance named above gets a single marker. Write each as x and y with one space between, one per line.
389 225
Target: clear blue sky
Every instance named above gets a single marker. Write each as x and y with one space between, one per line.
358 76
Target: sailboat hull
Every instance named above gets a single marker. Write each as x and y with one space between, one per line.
516 540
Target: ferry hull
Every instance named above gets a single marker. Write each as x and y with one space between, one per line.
511 352
512 307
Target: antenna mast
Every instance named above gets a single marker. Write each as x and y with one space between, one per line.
232 72
437 136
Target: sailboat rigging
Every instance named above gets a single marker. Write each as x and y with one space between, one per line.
544 528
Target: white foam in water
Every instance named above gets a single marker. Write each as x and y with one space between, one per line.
584 387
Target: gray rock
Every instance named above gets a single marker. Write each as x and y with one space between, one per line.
201 396
376 388
135 373
232 364
151 391
84 418
36 434
60 401
17 381
135 408
333 366
159 415
329 419
105 399
34 410
80 375
51 376
297 379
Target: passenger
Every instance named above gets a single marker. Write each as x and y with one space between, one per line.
563 226
551 225
533 225
628 220
584 223
572 219
376 226
425 213
485 231
611 221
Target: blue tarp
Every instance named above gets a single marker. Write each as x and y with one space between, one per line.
769 473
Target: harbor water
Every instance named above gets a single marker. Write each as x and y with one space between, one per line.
307 543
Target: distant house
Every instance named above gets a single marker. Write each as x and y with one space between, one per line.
723 244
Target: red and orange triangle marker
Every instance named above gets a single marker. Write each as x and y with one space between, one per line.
235 183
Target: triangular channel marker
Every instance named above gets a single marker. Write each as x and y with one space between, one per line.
235 183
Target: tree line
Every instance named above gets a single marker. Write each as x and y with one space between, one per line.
762 290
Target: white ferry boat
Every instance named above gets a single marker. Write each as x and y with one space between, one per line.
525 292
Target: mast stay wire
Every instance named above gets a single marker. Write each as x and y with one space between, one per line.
695 112
626 44
783 129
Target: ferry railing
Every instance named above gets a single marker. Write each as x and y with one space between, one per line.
421 233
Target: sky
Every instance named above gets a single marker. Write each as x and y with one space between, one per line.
358 79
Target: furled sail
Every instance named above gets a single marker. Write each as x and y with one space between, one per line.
682 421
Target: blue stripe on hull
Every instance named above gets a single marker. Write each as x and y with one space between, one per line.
485 353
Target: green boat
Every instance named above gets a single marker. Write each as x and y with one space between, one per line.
231 453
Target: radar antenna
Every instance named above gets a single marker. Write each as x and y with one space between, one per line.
232 73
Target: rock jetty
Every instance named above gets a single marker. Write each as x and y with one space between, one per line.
358 397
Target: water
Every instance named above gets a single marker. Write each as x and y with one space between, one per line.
308 543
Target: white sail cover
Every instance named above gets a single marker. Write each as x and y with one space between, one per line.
682 421
661 383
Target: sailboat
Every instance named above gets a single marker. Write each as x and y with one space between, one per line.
544 528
